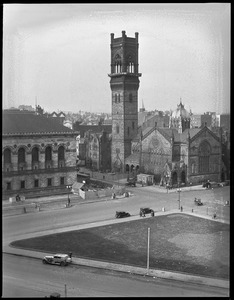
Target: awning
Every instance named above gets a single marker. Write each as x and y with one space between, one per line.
76 187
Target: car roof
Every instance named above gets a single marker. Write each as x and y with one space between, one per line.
58 254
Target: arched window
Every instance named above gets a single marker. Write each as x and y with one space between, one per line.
61 153
115 98
130 64
204 157
48 153
119 98
21 155
117 128
174 178
7 156
35 154
193 168
118 64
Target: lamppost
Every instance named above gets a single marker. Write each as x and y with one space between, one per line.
68 198
167 182
148 248
179 191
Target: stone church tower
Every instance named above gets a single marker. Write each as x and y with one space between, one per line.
124 85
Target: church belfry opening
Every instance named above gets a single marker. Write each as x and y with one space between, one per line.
124 83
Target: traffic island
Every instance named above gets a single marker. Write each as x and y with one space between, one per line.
178 243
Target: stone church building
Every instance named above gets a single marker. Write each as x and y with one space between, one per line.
178 155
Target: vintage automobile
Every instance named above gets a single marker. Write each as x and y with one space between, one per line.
131 182
198 202
122 214
146 210
57 259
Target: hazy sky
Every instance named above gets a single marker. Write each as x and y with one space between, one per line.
59 54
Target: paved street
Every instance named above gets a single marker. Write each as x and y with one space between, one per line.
29 277
61 218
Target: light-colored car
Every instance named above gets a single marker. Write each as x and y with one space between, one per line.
57 259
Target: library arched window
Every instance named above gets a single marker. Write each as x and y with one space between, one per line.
119 98
48 153
7 156
21 155
204 157
61 153
115 98
35 154
117 128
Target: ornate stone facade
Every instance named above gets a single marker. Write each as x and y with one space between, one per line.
98 150
38 157
177 158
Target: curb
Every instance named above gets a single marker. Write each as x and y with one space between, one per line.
194 279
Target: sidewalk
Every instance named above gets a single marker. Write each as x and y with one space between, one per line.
118 267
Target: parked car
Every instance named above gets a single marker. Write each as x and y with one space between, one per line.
55 295
198 202
224 183
57 259
146 210
122 214
130 183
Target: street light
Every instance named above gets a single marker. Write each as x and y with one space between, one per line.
148 247
179 191
167 182
68 198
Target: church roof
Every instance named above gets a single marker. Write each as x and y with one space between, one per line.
20 122
180 112
93 128
170 133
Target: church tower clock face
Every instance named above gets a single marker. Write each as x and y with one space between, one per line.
124 83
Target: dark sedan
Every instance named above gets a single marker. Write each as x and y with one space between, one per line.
122 214
146 210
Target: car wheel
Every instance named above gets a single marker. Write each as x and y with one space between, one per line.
44 261
62 264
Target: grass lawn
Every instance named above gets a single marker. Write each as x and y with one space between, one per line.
178 242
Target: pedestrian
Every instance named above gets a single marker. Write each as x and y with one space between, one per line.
70 254
69 201
181 208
